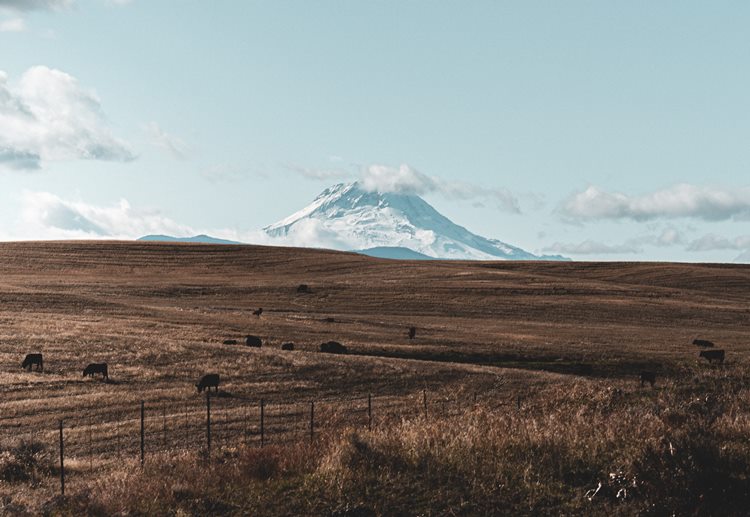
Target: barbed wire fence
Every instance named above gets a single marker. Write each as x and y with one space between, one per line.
98 439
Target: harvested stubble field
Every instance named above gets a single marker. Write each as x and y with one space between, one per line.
530 370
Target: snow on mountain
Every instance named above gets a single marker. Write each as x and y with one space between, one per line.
348 217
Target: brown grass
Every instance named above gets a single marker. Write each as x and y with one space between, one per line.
158 314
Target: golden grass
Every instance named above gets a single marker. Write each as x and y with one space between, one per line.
158 313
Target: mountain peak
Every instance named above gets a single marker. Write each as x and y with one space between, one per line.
355 218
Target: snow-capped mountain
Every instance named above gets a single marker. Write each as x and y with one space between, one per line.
351 218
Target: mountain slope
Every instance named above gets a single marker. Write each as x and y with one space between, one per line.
205 239
356 219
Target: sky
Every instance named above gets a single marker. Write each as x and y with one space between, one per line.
596 130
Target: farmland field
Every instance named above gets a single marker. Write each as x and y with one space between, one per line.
500 334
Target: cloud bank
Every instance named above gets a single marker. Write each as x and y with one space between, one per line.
47 216
711 241
683 200
33 5
407 180
48 116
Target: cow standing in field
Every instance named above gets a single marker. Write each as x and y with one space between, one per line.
208 381
703 342
649 377
253 341
258 312
33 359
333 347
287 346
713 355
96 368
412 332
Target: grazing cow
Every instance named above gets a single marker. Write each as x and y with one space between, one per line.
94 368
253 341
287 346
303 288
412 332
649 377
208 381
258 312
329 320
230 341
712 355
333 347
703 342
33 359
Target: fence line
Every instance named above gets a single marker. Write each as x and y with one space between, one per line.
106 437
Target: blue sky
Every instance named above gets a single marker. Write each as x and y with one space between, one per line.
598 130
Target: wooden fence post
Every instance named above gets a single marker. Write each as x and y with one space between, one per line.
62 461
424 400
208 422
312 420
143 432
262 423
164 425
369 411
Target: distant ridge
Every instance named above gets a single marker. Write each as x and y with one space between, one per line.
204 239
394 252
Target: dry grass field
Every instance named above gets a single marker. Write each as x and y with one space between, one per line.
566 340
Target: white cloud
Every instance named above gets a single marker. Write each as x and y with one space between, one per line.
12 25
31 5
48 116
407 180
589 247
47 216
712 241
174 146
683 200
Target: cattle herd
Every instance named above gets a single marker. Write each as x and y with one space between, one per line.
211 380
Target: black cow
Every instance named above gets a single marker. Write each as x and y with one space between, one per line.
94 368
412 332
287 346
253 341
329 320
33 359
303 288
333 347
258 312
208 381
230 341
649 377
703 342
712 355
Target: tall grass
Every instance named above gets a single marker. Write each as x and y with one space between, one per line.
583 449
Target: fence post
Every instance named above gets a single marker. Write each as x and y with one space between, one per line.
208 422
62 461
187 426
312 420
518 402
143 432
424 400
91 449
247 418
369 411
262 422
164 425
